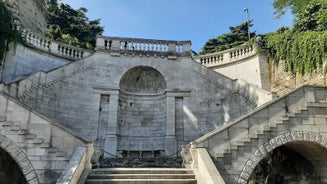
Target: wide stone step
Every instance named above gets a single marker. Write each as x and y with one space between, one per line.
141 176
141 181
321 104
141 171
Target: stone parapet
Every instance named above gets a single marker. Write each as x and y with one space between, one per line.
52 47
226 57
202 165
146 47
78 166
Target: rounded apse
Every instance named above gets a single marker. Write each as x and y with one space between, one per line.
143 79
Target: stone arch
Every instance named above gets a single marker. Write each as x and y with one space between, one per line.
288 138
143 79
20 158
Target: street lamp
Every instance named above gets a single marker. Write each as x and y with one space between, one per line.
248 21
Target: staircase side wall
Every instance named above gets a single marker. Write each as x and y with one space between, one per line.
47 145
21 62
253 70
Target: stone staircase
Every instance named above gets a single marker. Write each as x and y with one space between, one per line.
252 94
241 150
141 176
237 147
29 142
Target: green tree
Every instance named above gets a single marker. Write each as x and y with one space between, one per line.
296 6
71 26
313 17
237 36
304 47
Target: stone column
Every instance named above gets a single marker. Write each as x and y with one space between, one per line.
170 142
110 141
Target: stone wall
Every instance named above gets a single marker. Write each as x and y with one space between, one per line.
21 62
283 82
84 97
254 70
141 122
244 62
31 13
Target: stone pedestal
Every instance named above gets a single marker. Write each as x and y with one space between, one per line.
110 146
170 146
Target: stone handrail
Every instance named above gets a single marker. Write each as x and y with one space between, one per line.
78 166
53 47
200 161
144 46
227 56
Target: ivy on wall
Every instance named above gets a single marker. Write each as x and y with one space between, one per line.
304 53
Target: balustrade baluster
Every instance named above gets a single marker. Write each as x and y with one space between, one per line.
105 44
30 38
62 50
78 55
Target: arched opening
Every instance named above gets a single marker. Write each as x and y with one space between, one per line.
286 164
9 170
142 113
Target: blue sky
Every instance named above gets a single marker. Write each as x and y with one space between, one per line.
195 20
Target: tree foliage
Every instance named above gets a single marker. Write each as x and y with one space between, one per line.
237 36
304 47
71 26
296 6
313 17
302 52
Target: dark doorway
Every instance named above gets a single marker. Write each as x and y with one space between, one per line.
10 173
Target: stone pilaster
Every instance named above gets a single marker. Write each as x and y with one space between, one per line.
171 148
170 142
110 140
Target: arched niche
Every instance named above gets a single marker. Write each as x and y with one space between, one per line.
142 111
143 79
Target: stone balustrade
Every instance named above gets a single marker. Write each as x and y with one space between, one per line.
144 46
227 56
53 47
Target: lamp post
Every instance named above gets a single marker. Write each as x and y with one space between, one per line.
248 21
